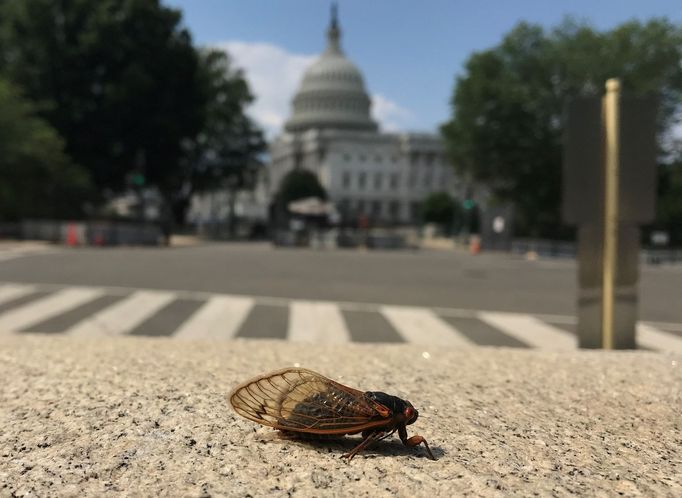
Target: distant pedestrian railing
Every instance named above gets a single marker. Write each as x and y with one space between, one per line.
659 256
92 233
343 238
562 249
544 248
10 230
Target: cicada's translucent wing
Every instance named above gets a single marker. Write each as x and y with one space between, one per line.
301 400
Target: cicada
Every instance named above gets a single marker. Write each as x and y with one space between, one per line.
301 402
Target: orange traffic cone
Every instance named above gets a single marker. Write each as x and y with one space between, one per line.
475 244
71 235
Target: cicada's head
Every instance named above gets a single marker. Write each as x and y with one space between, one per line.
410 413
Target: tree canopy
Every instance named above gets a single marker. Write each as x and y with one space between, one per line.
123 84
299 184
669 207
442 209
117 79
37 179
229 141
507 108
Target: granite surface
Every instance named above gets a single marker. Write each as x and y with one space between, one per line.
145 417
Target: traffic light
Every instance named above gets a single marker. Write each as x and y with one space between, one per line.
138 179
468 204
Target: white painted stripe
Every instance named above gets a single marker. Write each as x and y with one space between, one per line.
8 253
47 307
423 326
9 292
311 321
668 326
653 338
530 330
220 317
123 316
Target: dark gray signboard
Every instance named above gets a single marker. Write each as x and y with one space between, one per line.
583 176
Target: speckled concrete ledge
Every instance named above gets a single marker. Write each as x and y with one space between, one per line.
144 417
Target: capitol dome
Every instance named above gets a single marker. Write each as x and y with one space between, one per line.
332 93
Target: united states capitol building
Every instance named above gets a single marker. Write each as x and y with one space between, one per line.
384 176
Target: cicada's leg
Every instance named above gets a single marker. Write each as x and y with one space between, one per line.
373 437
413 441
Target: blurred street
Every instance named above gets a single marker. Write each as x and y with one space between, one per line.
256 291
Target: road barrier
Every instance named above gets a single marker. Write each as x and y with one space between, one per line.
92 233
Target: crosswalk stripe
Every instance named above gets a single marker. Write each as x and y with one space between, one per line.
530 330
47 307
12 291
124 315
225 316
220 317
653 338
423 326
311 321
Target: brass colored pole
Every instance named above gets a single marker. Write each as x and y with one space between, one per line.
611 121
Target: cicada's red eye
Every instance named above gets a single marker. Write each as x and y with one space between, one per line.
409 413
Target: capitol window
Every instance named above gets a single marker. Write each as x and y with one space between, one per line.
346 179
362 179
344 206
377 181
394 209
413 178
415 211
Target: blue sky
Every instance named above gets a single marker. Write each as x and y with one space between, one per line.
408 50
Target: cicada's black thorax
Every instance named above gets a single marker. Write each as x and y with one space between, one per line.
393 403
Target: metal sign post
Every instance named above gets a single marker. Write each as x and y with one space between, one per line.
609 189
611 107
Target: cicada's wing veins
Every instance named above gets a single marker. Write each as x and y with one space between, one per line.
300 400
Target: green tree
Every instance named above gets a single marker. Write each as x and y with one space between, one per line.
118 79
442 209
299 184
37 179
225 154
669 206
506 125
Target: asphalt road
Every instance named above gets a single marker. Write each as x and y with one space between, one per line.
497 282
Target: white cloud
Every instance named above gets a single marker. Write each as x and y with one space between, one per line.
274 74
392 116
677 130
